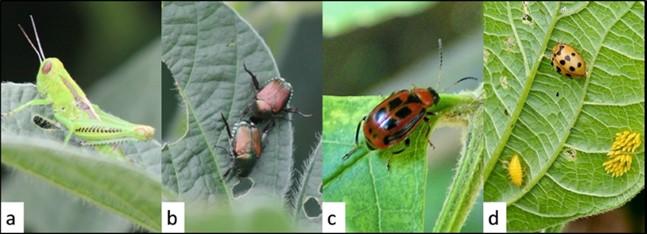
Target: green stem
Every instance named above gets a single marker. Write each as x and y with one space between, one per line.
466 185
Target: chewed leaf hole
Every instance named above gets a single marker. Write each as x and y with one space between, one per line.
312 207
243 187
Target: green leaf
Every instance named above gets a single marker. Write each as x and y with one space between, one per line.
37 196
544 117
304 195
341 17
378 198
260 214
204 45
134 193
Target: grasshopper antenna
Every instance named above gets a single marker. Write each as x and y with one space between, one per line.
33 24
40 58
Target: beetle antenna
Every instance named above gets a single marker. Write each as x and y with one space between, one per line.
440 63
226 125
461 80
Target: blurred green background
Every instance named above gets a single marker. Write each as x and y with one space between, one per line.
112 50
377 48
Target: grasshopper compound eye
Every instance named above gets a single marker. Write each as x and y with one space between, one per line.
47 67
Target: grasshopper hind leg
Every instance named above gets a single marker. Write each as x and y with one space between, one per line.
45 123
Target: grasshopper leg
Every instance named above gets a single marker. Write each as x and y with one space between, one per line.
34 102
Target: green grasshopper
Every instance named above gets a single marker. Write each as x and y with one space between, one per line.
74 111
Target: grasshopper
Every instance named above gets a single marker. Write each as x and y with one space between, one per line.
74 111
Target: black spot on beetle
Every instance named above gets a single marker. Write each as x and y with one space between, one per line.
390 124
562 62
386 141
413 99
579 64
394 103
573 53
370 130
571 68
569 75
403 113
568 58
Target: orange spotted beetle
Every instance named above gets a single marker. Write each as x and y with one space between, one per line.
567 61
395 118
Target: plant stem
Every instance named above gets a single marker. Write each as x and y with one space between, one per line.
466 185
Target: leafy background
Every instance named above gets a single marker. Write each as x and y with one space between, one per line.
391 49
108 49
203 58
534 112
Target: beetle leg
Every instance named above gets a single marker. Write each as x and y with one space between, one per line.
388 164
347 155
399 151
357 130
267 128
254 80
226 125
431 144
295 110
228 174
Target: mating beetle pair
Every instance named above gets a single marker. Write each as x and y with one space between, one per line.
270 101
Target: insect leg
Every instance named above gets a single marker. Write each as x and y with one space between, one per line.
431 144
267 128
34 102
226 125
254 80
45 123
67 137
226 174
295 110
357 131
